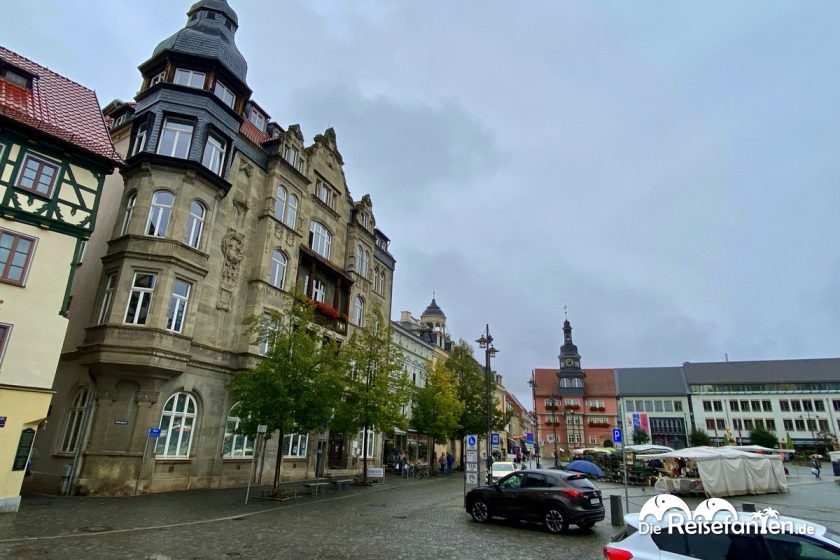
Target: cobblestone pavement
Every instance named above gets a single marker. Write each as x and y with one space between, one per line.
401 519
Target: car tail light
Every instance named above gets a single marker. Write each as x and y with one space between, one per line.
572 493
611 553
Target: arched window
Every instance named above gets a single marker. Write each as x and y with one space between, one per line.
159 213
72 432
129 210
359 311
236 445
279 203
382 282
176 427
320 239
291 211
361 260
277 272
376 279
195 225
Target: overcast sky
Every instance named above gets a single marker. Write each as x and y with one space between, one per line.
668 171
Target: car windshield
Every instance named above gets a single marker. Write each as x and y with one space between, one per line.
503 467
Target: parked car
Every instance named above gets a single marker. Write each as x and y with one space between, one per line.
501 469
554 498
631 544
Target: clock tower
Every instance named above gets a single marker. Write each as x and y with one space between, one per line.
570 376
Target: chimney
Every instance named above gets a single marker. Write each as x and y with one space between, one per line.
405 316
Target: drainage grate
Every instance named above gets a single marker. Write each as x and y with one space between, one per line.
96 529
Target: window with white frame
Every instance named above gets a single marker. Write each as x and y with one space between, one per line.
277 271
160 211
325 193
195 224
175 138
5 335
285 207
376 279
361 260
140 139
157 78
107 299
290 154
214 154
189 78
177 424
140 298
573 420
73 428
550 438
291 210
572 402
358 311
295 445
318 290
575 438
280 198
266 338
235 444
382 282
320 239
359 441
592 440
129 210
80 251
257 119
178 306
225 94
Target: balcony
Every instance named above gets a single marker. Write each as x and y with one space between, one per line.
572 406
597 408
330 317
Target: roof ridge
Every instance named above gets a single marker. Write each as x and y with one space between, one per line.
47 68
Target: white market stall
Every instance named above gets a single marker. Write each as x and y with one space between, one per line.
646 449
724 471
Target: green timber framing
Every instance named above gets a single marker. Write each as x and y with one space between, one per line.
51 214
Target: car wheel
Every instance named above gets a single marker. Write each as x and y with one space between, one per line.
586 525
555 520
480 511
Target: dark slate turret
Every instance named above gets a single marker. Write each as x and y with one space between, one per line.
209 33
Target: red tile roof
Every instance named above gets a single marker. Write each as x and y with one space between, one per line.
56 106
546 381
253 133
599 383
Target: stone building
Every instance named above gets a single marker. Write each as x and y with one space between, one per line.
54 156
219 214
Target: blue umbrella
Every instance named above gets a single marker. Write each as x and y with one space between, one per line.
585 467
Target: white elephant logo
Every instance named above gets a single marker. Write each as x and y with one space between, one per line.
667 508
715 509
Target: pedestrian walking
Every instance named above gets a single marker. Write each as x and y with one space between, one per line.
449 460
815 467
442 463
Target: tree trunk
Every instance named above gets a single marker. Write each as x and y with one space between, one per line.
279 464
364 456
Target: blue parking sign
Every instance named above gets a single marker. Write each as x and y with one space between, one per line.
617 435
494 439
529 438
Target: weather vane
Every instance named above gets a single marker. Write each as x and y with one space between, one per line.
566 313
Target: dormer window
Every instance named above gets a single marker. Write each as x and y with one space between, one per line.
121 119
290 154
189 78
15 76
257 119
224 93
325 193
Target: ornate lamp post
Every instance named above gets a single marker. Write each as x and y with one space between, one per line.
486 343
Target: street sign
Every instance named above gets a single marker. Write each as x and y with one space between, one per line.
472 456
154 432
472 478
618 446
494 439
472 442
2 421
529 438
616 435
472 467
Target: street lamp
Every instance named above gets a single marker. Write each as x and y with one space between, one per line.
535 417
486 343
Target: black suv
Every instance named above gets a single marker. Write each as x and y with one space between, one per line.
555 498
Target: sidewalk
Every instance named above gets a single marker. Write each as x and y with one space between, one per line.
43 515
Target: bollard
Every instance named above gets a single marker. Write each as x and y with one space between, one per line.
749 508
616 513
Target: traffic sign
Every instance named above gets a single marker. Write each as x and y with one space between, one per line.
154 432
529 438
494 439
472 442
472 478
472 456
472 467
617 435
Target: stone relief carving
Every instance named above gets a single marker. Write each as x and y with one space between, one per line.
290 239
146 396
233 249
224 299
246 168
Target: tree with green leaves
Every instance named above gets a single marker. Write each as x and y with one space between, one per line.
471 384
436 410
760 436
296 386
698 437
377 388
640 437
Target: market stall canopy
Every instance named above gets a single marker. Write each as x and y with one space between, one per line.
754 448
725 471
592 450
648 448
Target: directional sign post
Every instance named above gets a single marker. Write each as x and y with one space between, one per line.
616 435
